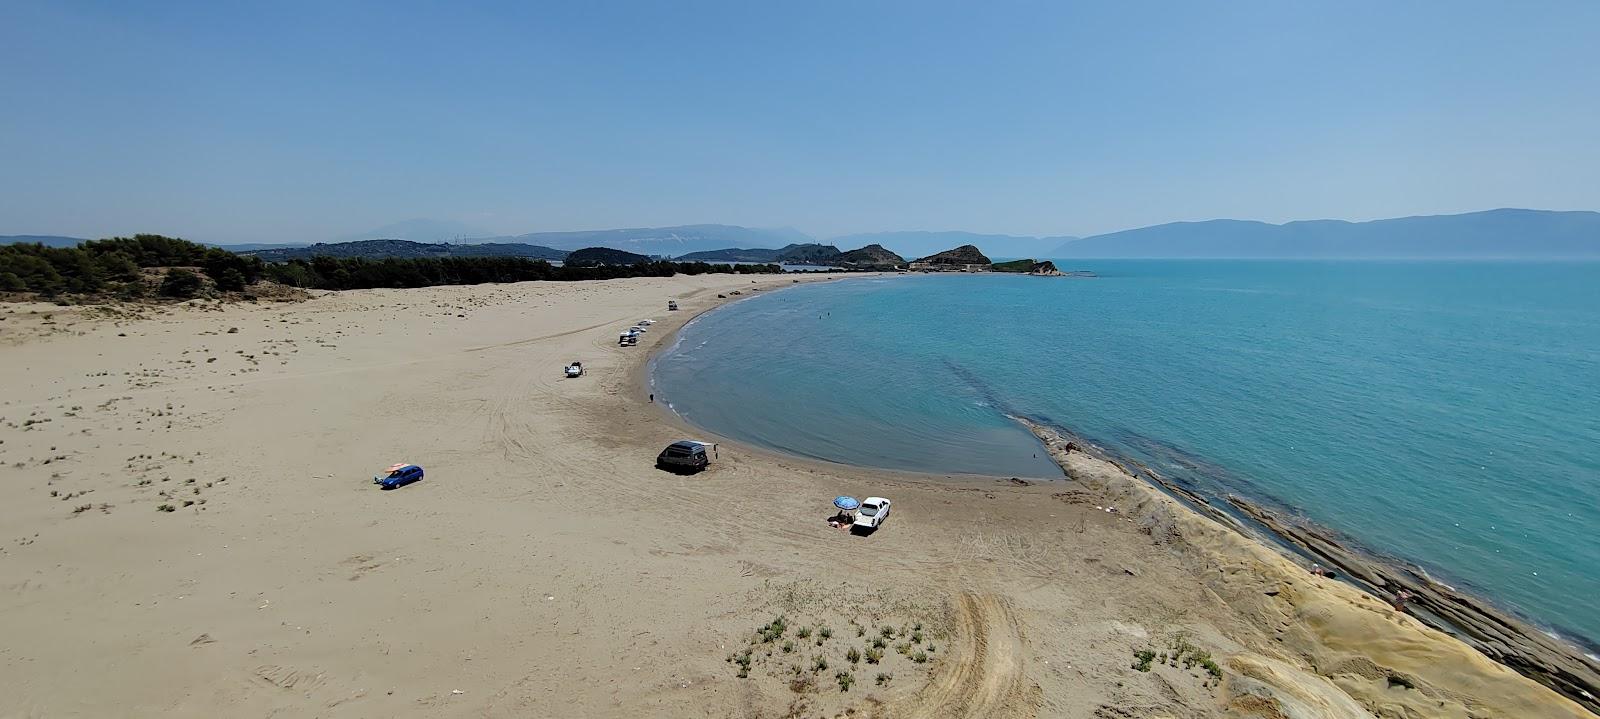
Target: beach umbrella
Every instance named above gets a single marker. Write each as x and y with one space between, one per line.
846 503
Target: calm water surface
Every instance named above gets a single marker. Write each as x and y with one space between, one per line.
1448 413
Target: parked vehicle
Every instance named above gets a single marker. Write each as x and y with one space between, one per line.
636 329
627 339
398 475
645 323
872 514
672 304
575 369
685 456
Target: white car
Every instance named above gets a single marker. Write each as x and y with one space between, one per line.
872 513
575 369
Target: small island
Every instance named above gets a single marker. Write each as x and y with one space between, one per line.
968 258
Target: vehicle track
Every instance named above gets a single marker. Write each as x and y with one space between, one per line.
983 675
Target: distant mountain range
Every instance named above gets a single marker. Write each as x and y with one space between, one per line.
810 253
379 249
1494 233
418 230
60 241
660 241
1490 234
46 240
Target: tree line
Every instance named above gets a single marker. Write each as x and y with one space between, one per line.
115 267
354 273
114 264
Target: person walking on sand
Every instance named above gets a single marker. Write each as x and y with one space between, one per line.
1399 600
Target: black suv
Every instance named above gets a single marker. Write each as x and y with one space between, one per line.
683 456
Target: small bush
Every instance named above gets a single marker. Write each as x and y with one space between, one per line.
166 508
772 630
180 283
845 680
1142 659
920 657
887 632
805 632
742 659
820 664
788 647
879 643
916 637
853 656
874 656
230 279
825 632
884 678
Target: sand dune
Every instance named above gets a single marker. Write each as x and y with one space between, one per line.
545 568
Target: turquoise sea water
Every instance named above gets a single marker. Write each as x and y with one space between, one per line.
1445 413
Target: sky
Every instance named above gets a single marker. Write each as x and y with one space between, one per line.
297 122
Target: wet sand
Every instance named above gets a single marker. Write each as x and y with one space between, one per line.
546 568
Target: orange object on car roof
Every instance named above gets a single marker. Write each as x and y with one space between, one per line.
399 466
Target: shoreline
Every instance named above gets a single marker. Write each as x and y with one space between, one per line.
1559 663
1566 665
546 568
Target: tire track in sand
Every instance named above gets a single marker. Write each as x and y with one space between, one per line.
982 676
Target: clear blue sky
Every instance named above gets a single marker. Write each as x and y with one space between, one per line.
302 121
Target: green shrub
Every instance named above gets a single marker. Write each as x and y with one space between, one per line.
180 283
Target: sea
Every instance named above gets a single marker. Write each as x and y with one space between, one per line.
1443 413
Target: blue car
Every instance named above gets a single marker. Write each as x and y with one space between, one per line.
399 475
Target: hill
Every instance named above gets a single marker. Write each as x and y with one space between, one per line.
1489 234
1013 266
257 246
870 256
918 244
736 254
963 255
418 230
594 256
808 254
382 249
46 240
661 241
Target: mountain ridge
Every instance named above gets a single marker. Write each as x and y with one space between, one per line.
381 249
1489 234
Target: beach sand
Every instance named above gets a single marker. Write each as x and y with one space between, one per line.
545 567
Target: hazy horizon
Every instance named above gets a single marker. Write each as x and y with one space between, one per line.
302 123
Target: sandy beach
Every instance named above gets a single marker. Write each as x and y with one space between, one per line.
191 530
